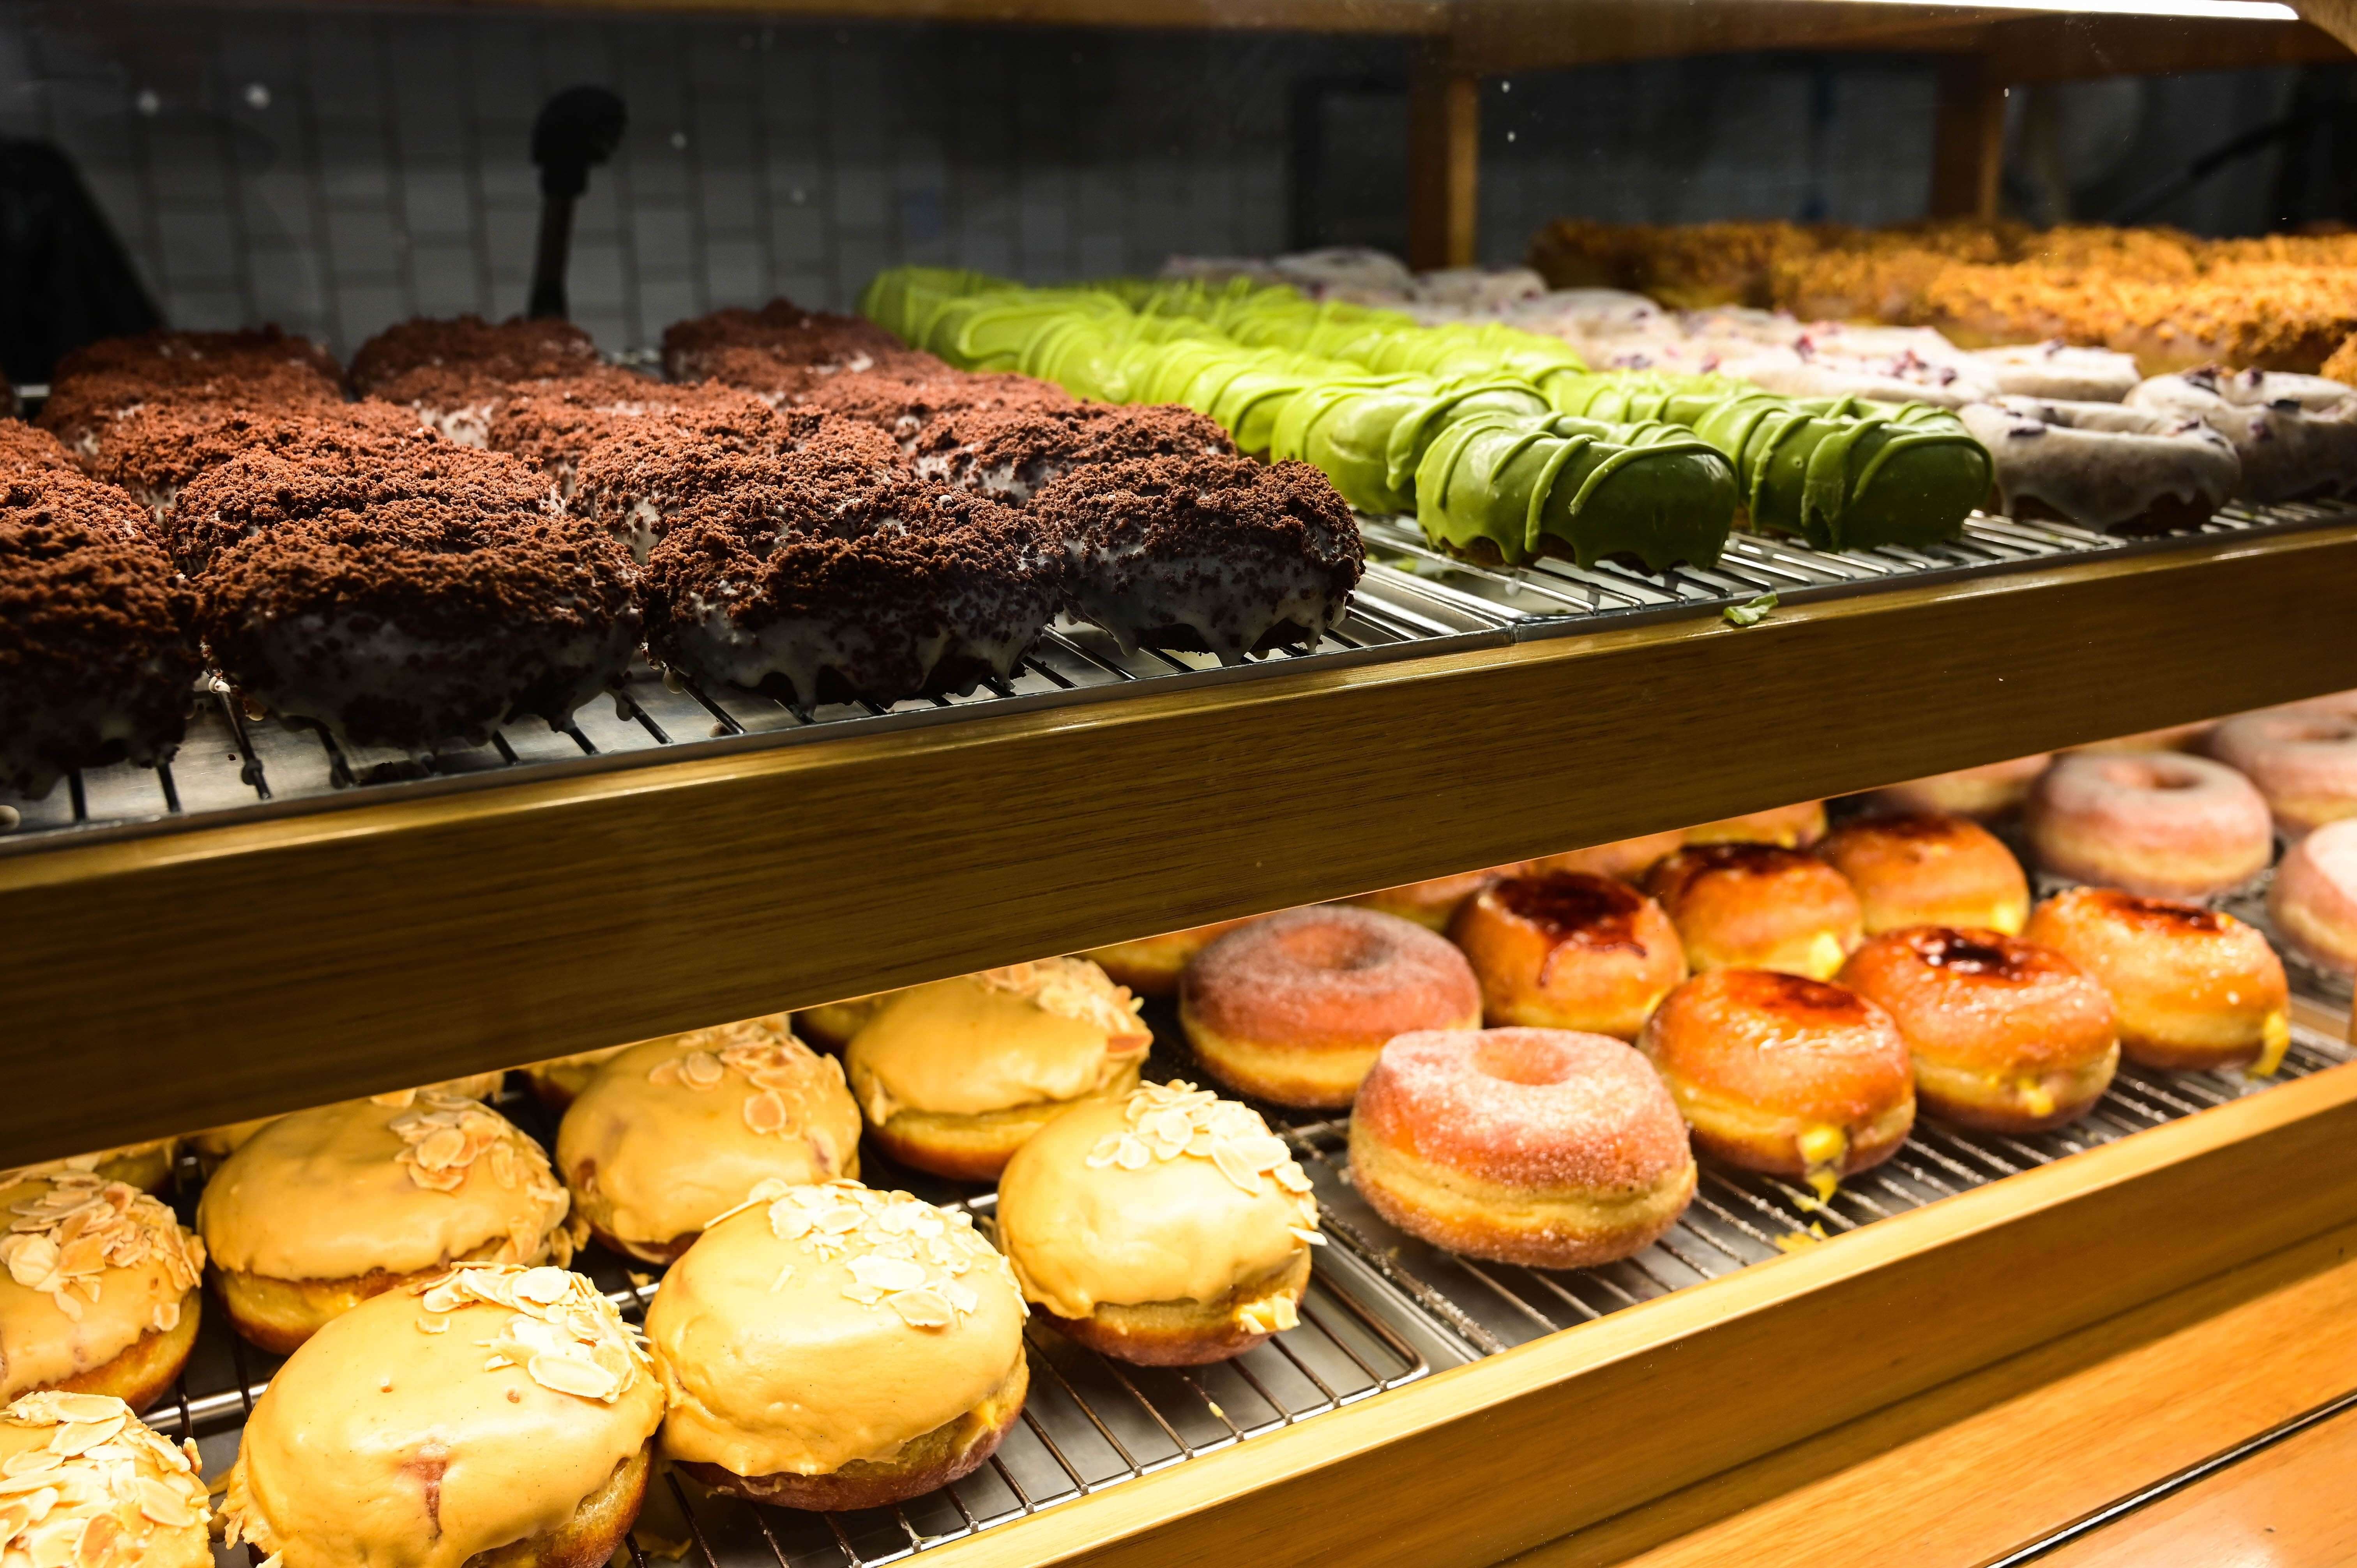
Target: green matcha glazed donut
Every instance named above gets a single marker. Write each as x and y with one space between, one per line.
1506 489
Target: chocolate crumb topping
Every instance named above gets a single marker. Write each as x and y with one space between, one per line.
633 481
553 425
1010 453
79 409
516 350
27 447
788 335
171 358
155 450
902 405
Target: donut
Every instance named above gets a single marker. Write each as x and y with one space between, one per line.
2158 823
146 1166
2105 466
1294 1007
832 1346
1013 453
957 1075
782 351
1569 950
554 425
97 1289
831 1024
1170 1228
429 1426
1547 1147
2297 436
1758 906
97 1461
2057 370
1429 904
2192 989
155 449
1150 966
2007 1035
1988 791
1795 826
519 348
98 383
2303 762
214 1144
2168 738
2313 899
1928 870
1785 1075
324 1209
676 1130
1628 859
559 1080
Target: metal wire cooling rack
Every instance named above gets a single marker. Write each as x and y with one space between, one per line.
1413 601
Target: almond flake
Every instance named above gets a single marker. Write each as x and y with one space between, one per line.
543 1286
574 1375
766 1112
888 1274
27 1461
700 1069
1237 1168
923 1308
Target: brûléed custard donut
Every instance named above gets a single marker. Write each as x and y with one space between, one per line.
2007 1035
1172 1228
676 1130
2158 823
1150 966
2313 899
1988 791
1538 1146
1294 1007
494 1417
1429 904
833 1347
957 1075
2304 763
1778 1073
1796 826
324 1209
1569 950
1924 869
2192 989
99 1462
1628 859
1758 906
99 1290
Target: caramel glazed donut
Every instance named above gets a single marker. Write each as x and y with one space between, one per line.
1172 1228
1785 1075
99 1290
1294 1007
2156 823
957 1075
832 1346
2193 989
494 1417
112 1492
2007 1035
1536 1146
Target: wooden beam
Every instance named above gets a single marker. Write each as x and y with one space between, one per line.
1412 18
2082 47
1967 138
1444 162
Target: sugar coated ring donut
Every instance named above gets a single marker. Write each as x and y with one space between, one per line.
2313 900
1537 1147
2305 763
1928 869
2192 989
1567 950
2158 823
1294 1007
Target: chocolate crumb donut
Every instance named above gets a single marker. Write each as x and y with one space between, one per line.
515 350
1219 554
552 424
880 589
633 482
781 351
1011 452
155 449
95 385
901 404
29 448
167 359
96 663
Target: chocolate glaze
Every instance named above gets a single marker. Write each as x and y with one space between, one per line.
1596 912
515 350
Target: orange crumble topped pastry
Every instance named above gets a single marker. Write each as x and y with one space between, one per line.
84 1483
99 1295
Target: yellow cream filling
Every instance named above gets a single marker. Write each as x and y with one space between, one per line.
1827 955
2275 1040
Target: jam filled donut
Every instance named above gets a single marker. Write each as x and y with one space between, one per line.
97 1289
492 1415
2152 823
1796 826
676 1130
2313 900
324 1209
1567 950
1780 1074
832 1346
1433 904
1172 1228
1989 791
1757 906
1150 966
957 1075
99 1462
2007 1037
1628 859
1538 1146
1294 1007
2192 989
2304 762
1929 870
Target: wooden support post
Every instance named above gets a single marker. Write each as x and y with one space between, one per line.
1444 163
1967 138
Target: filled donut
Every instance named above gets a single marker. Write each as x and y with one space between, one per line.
2158 823
1796 826
1568 949
2303 761
146 1166
1628 859
1432 904
2192 989
831 1024
1537 1147
214 1144
1989 791
1924 869
1758 906
97 1289
1294 1007
2313 899
2104 465
112 1492
1150 966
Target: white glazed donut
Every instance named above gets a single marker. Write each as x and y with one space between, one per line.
2297 436
2156 823
2054 368
2305 763
2314 898
2101 466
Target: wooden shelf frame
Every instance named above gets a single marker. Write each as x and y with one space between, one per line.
365 946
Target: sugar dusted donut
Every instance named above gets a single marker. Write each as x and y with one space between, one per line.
2007 1035
1151 965
1628 859
2192 989
2152 823
117 1494
1568 949
1294 1007
494 1415
1929 870
1537 1147
2303 761
1429 904
835 1347
2313 900
1989 791
1757 906
1796 826
957 1075
97 1289
1780 1074
1172 1228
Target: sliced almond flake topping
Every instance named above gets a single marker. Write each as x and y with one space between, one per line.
1076 988
443 1135
900 1253
1177 1121
73 1227
163 1506
566 1335
67 1501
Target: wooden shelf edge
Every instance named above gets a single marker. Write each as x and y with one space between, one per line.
1406 18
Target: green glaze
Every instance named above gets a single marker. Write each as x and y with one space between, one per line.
1566 485
1343 428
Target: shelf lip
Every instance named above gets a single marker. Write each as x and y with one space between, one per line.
1410 18
357 950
